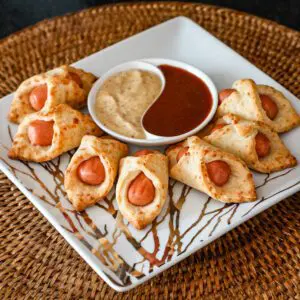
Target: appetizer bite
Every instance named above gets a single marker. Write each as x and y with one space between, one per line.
142 187
92 170
43 136
213 171
254 142
258 103
65 84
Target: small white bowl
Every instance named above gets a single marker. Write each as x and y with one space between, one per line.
151 65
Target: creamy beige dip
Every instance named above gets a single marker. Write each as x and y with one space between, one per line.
123 98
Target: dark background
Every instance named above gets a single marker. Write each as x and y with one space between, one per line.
17 14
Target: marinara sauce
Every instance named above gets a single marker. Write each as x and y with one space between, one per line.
184 104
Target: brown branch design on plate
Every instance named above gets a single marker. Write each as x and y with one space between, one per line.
80 224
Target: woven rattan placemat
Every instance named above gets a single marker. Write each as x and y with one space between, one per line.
260 258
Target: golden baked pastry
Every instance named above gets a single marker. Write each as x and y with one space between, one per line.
43 136
258 103
254 142
65 84
219 174
92 170
142 187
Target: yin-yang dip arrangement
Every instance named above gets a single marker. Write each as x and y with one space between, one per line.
160 163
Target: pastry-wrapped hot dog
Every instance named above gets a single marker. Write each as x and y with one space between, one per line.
142 187
92 170
213 171
254 142
65 84
43 136
258 103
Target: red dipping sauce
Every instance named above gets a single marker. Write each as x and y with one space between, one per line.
183 105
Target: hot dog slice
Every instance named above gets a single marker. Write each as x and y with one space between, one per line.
269 106
143 152
262 145
224 94
38 97
218 172
76 78
40 133
141 191
181 153
170 148
91 171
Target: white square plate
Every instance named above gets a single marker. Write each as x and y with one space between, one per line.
121 255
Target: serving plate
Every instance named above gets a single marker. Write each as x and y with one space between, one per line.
121 255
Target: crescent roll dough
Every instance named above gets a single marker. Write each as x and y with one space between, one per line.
191 169
110 152
245 102
155 168
61 88
238 137
69 127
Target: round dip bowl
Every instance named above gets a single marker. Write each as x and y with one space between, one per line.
151 66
